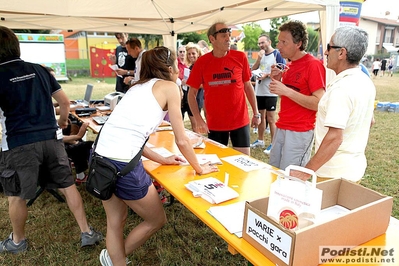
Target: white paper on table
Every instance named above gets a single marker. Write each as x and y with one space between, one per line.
204 158
164 128
161 151
245 162
212 190
149 145
230 216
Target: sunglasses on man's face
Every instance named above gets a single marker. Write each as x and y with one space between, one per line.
333 46
224 30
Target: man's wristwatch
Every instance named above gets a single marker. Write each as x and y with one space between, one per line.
128 73
257 115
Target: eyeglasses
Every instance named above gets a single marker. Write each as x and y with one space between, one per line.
333 46
182 52
224 30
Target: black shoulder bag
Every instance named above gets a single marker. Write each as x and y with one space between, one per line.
103 174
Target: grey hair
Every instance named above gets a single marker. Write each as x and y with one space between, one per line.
354 40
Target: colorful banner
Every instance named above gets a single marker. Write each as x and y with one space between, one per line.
30 37
349 12
100 63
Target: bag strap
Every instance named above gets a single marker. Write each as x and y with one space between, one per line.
133 162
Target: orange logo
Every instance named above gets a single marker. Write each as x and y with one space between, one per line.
288 219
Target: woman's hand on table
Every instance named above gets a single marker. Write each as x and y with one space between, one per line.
174 159
208 168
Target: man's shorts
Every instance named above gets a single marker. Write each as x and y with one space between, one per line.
239 137
268 103
291 148
44 162
134 185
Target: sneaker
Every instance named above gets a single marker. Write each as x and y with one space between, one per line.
255 130
267 130
105 260
268 149
258 143
88 239
9 246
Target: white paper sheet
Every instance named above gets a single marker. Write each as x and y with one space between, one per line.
230 216
245 163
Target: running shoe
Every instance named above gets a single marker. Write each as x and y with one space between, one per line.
268 149
90 239
9 246
105 260
258 143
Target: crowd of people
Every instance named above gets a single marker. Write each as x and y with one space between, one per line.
213 86
383 66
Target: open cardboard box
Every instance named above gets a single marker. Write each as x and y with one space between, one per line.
368 218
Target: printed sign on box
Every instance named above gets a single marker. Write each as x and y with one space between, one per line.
269 236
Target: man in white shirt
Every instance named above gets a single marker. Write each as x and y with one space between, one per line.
133 46
345 112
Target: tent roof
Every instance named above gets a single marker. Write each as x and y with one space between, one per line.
163 17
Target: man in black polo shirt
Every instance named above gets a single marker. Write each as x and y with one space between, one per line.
32 141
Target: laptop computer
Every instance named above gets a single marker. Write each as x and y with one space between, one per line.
86 100
100 120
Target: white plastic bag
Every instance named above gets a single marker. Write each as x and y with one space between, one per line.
292 202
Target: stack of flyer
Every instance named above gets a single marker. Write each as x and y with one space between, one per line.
212 190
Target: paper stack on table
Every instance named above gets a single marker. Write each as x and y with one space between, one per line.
212 190
230 216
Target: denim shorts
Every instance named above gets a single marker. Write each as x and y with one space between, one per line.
44 162
134 185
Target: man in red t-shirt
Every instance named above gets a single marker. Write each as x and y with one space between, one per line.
225 75
301 87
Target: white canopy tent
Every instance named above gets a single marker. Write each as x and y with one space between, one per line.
165 17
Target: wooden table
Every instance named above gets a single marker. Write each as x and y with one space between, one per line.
89 119
250 185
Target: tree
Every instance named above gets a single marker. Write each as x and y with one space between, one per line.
313 42
252 32
275 23
193 37
150 40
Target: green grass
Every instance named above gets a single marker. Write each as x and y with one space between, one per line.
54 235
78 64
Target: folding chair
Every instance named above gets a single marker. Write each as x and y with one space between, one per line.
41 189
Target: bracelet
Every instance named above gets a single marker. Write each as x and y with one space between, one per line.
257 115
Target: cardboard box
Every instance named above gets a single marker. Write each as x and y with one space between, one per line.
368 218
383 106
